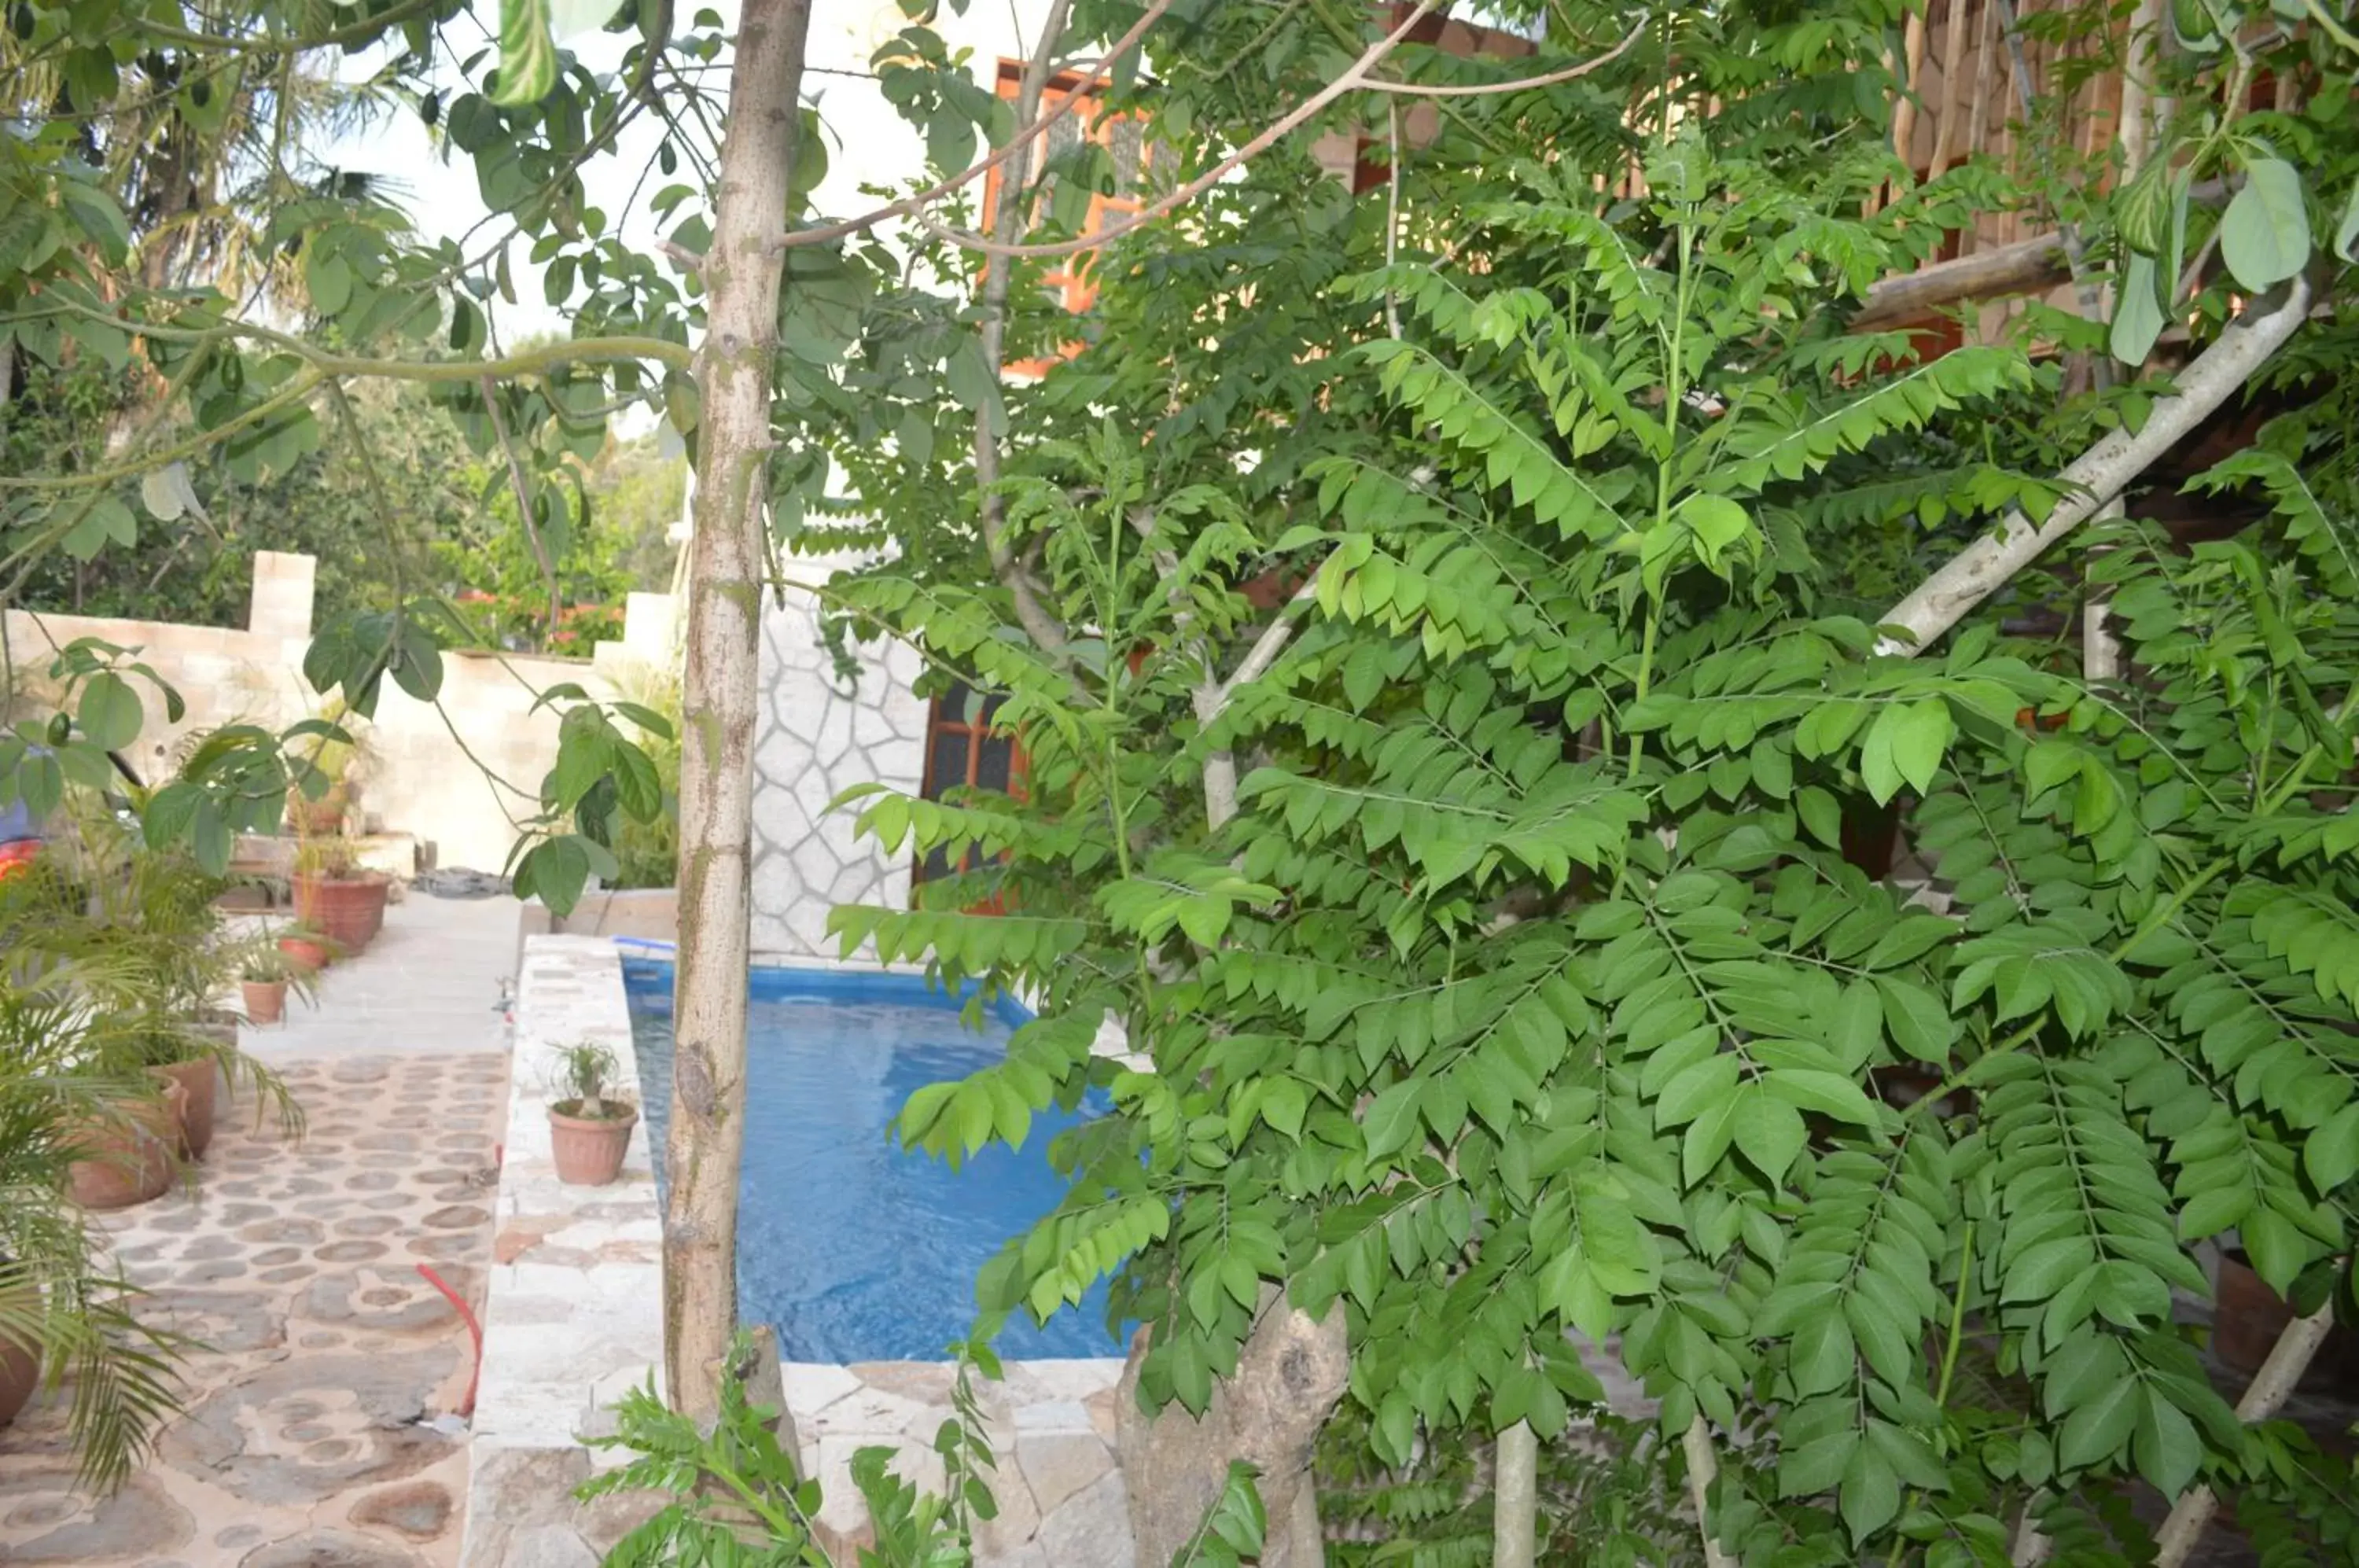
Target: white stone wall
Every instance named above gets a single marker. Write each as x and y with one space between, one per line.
814 738
413 776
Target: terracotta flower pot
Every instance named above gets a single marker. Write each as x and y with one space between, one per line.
128 1157
311 955
20 1366
590 1153
348 910
196 1080
265 1000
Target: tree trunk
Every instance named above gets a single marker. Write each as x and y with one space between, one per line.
717 698
1515 1507
1289 1375
2277 1377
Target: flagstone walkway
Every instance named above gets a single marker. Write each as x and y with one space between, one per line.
318 1429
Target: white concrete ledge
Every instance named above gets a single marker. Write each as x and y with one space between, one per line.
573 1313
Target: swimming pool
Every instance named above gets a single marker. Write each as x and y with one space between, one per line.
851 1248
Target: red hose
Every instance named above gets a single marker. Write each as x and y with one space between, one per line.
467 1405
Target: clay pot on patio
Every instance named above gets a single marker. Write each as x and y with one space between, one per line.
265 1000
128 1157
20 1368
589 1153
311 955
195 1081
348 910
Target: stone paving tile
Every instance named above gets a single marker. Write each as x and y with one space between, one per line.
308 1436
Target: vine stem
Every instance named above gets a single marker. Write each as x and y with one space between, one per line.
1955 1341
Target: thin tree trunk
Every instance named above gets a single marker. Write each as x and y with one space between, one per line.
2289 1359
2101 651
1040 623
1515 1515
717 698
1703 1469
2099 474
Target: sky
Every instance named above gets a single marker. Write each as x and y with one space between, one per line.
868 143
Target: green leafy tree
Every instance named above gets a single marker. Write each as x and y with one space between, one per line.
1522 986
1478 910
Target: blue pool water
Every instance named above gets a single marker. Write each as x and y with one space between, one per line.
851 1249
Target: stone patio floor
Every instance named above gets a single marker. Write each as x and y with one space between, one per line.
318 1426
309 1435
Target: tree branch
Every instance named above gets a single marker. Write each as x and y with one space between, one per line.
1354 79
1703 1468
523 495
2289 1359
2037 263
910 206
1038 622
1211 700
1489 89
2100 473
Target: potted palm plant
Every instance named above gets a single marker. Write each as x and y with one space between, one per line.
267 973
589 1128
320 797
133 932
63 1315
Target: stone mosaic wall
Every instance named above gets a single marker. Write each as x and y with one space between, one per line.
814 738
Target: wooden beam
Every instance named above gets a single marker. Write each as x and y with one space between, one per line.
2024 267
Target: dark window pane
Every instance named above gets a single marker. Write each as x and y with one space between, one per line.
937 865
948 771
991 769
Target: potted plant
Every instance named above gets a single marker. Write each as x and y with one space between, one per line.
320 796
306 949
63 1315
268 973
336 895
589 1128
126 1153
133 933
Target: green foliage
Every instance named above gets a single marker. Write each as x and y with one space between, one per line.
61 1300
739 1503
1529 990
1607 1496
1520 542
